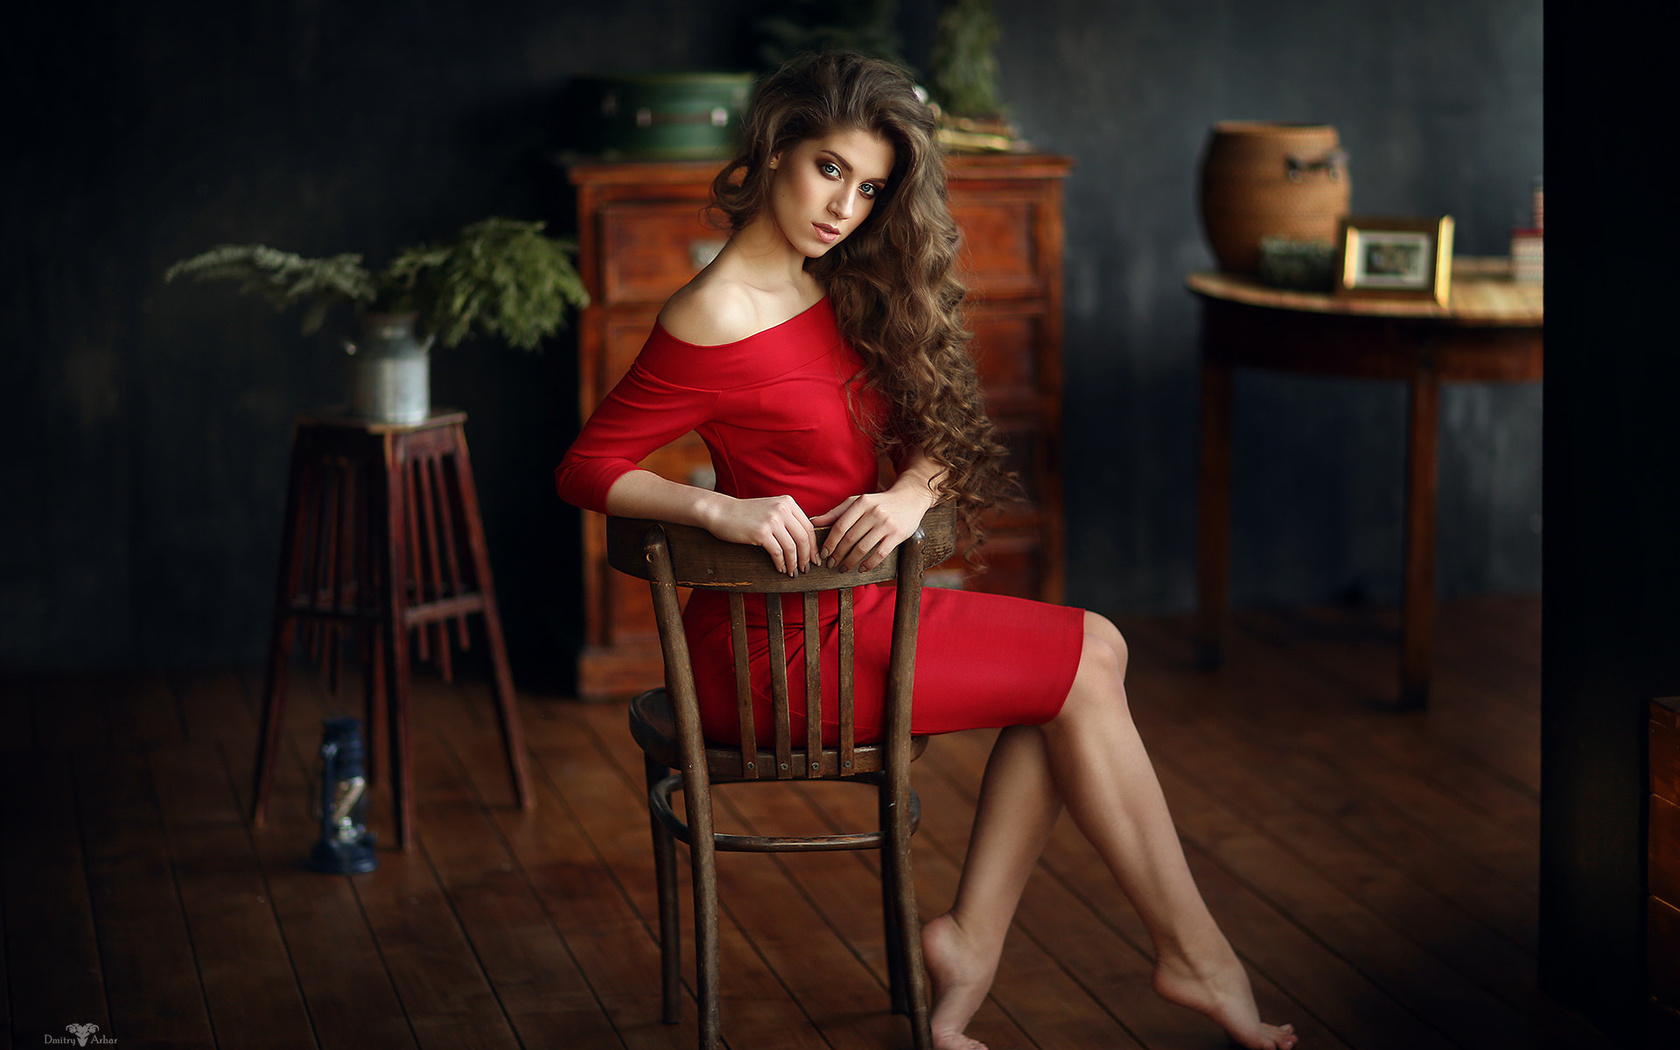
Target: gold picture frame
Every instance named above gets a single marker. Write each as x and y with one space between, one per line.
1395 258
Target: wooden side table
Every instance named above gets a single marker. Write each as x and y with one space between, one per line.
1491 330
383 536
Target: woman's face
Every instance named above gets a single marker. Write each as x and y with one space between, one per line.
825 187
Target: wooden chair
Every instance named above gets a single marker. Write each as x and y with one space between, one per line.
665 722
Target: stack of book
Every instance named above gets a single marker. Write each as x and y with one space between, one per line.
979 134
1528 255
1528 244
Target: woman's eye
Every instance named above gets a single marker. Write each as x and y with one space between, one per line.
869 190
831 169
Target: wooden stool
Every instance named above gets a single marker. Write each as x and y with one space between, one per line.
383 535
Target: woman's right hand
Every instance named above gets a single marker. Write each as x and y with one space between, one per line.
775 523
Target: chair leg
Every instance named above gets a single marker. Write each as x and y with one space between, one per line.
702 857
896 859
892 917
670 922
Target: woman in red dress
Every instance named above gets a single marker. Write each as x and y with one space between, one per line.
827 332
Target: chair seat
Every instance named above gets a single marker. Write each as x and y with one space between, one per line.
653 723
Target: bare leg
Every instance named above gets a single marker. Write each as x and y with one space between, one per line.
1090 758
1018 807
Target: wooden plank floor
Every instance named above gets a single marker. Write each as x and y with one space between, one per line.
1376 870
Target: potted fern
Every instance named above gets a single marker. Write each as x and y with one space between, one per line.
501 278
964 78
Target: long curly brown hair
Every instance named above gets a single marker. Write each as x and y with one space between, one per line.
892 283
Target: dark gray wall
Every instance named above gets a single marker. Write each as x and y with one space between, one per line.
148 424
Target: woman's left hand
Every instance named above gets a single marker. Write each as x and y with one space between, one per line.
869 527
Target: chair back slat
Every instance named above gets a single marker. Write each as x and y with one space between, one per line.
848 727
776 628
813 687
743 684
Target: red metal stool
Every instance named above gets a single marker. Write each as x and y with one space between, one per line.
383 535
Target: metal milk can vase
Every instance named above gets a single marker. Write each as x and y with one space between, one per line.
390 370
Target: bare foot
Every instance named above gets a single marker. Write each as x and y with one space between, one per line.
1219 988
960 982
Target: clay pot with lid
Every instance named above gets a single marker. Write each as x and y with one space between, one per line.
1262 179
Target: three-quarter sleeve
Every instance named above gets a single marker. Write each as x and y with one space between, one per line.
644 412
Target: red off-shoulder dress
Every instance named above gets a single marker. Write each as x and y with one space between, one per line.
780 412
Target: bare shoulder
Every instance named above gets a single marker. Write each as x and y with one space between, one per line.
725 305
710 310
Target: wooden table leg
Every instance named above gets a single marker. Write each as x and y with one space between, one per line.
1213 534
1417 631
394 626
507 699
283 630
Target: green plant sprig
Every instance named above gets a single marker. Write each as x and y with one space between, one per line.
500 277
284 279
964 76
497 277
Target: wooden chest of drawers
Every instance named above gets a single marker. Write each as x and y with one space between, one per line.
641 235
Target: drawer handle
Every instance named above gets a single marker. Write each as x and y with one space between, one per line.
717 118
